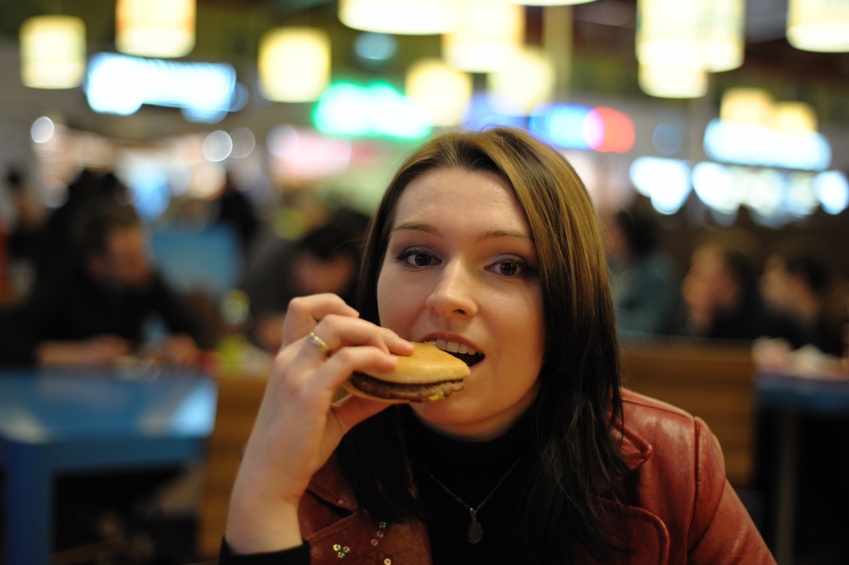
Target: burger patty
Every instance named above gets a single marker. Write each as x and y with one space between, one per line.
411 392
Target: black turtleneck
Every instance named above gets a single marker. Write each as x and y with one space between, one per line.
470 470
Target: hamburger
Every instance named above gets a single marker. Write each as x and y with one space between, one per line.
427 375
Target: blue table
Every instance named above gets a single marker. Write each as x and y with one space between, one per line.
792 396
54 421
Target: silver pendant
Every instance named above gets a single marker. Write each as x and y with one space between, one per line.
475 532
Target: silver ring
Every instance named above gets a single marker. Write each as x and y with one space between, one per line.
319 344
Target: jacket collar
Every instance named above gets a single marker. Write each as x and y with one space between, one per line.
330 485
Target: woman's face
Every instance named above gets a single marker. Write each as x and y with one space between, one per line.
461 269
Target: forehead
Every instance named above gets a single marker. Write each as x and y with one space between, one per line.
473 196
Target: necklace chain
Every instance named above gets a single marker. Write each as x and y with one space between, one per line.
475 531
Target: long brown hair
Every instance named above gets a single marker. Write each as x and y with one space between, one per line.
573 417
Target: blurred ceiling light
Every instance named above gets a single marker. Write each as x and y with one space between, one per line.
818 25
155 28
668 33
294 64
403 17
673 81
53 52
526 81
744 105
548 2
794 118
439 87
487 35
723 35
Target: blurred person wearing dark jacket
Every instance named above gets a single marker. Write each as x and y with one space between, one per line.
326 259
93 306
719 291
796 286
643 281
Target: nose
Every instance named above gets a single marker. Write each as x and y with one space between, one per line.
453 293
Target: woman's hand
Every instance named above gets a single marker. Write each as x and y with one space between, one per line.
298 425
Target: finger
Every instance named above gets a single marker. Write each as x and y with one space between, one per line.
341 331
304 312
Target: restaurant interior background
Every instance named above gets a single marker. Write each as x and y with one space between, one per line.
634 145
763 145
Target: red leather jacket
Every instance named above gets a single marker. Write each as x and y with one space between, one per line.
684 510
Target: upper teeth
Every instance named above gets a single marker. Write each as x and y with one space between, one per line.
454 347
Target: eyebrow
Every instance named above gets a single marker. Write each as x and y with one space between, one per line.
492 234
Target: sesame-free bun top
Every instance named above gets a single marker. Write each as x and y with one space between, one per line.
427 365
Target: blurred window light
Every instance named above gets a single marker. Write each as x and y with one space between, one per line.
801 198
762 190
150 189
377 109
402 17
244 142
832 190
305 154
714 185
485 111
53 52
373 50
667 139
574 126
118 84
217 146
42 130
746 144
666 182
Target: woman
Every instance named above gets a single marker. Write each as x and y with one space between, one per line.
486 243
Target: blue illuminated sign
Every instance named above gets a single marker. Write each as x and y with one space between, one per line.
119 84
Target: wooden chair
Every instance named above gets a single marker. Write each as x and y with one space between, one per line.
714 381
238 402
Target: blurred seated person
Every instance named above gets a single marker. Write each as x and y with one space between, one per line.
643 280
796 288
719 291
326 259
93 308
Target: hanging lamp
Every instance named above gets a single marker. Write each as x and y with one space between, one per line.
402 17
818 25
294 64
486 36
53 52
439 87
673 81
526 81
155 28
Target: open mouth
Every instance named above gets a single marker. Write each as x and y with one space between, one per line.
462 352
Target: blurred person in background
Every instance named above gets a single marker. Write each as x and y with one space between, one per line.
235 210
92 308
326 259
797 288
643 280
89 190
28 217
720 293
